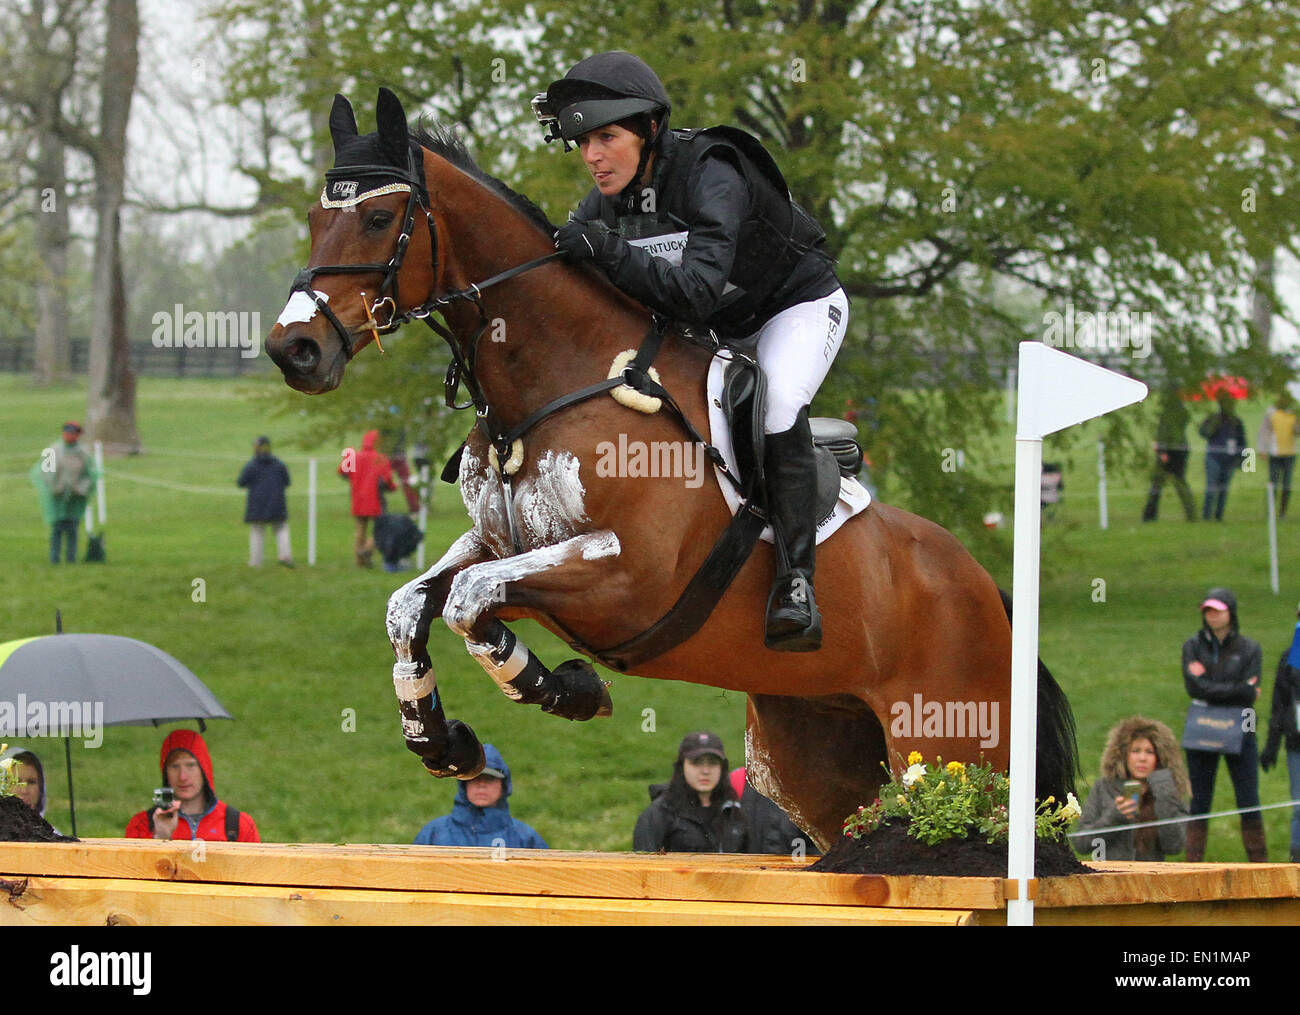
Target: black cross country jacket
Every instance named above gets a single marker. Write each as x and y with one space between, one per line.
715 240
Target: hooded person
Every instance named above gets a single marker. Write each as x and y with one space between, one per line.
480 815
368 471
1144 751
1222 667
197 813
696 811
31 778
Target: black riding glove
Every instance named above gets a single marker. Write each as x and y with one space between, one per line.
586 241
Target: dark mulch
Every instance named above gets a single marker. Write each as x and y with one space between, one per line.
19 823
890 850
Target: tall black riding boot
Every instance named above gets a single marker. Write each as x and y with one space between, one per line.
793 623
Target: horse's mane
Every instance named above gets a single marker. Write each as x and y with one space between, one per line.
443 142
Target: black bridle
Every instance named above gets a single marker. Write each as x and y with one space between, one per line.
461 369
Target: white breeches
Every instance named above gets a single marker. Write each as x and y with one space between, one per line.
795 350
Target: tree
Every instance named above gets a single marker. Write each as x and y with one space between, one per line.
983 170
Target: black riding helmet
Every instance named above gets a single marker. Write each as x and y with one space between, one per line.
604 89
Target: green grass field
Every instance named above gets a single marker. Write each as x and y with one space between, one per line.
301 659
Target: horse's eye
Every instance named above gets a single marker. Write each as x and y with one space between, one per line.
378 220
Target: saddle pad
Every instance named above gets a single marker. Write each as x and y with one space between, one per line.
853 498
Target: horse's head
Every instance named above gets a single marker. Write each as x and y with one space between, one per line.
363 239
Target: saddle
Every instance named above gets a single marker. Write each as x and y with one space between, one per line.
835 441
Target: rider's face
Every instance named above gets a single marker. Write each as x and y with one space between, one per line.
611 154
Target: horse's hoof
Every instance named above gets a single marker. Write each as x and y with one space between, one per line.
580 693
463 758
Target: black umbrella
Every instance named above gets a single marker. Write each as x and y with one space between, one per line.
73 685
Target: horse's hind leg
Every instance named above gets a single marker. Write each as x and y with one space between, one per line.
573 690
819 758
446 748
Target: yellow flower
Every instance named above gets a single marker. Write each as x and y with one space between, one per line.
902 800
956 767
914 758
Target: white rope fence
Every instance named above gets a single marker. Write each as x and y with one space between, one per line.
1131 826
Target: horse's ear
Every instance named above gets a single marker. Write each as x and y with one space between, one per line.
393 135
343 122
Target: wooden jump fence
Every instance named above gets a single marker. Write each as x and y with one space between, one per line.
124 882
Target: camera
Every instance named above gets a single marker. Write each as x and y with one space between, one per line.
548 118
164 797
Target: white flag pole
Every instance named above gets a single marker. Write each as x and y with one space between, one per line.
311 511
1055 391
101 498
424 515
1024 673
1101 485
1272 540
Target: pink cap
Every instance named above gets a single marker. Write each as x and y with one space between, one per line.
1214 604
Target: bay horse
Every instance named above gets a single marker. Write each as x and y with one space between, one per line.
917 637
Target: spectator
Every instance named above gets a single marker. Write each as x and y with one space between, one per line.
1225 440
368 471
64 478
769 828
697 810
196 812
1277 433
1144 751
1284 724
266 478
480 815
1171 457
31 778
1221 667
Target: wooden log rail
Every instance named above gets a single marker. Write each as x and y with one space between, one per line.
120 881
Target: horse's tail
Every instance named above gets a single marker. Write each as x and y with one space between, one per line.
1058 748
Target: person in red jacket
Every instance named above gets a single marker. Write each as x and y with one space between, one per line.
368 471
196 813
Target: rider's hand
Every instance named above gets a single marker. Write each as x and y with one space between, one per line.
584 241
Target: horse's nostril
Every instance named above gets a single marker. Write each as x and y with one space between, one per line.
303 354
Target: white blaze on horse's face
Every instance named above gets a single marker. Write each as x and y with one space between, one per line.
300 309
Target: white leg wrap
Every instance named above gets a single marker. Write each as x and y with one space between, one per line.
409 685
502 672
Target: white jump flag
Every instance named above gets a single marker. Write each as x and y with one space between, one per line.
1055 391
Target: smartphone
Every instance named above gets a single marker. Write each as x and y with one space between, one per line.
1133 790
164 797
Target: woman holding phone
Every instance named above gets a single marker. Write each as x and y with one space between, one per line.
1142 780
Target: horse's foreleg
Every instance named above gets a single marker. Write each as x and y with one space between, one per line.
446 748
573 690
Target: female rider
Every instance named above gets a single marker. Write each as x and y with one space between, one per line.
699 226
